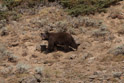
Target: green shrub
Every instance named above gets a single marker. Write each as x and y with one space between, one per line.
22 68
11 3
77 7
9 15
14 3
39 70
12 8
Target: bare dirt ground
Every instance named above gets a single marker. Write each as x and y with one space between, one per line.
95 61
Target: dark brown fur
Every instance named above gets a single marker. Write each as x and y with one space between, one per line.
60 38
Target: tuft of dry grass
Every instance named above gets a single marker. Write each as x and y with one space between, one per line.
117 58
57 55
113 80
22 68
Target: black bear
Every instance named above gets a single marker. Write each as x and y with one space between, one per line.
59 39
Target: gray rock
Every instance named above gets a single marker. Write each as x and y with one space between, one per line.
73 56
86 55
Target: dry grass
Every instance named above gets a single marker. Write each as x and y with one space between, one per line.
117 58
21 75
57 55
114 80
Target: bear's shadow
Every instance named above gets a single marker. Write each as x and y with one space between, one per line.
58 48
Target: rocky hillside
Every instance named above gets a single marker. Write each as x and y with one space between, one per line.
99 58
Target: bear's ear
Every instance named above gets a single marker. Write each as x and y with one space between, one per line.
46 32
41 34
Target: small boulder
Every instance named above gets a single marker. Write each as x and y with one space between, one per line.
86 55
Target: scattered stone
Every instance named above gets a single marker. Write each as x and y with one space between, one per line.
73 26
91 59
73 56
86 55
